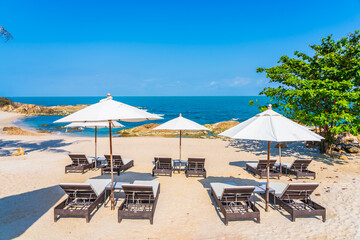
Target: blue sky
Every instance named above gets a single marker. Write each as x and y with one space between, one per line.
158 48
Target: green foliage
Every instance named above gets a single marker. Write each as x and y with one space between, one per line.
320 90
5 34
5 101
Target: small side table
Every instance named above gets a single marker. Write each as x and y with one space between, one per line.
176 163
117 187
262 190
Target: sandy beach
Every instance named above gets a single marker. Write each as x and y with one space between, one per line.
29 190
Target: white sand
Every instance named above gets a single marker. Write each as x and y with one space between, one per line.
29 191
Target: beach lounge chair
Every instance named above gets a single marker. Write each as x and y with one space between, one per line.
299 168
80 163
163 165
234 201
259 168
295 199
82 198
119 164
140 200
195 167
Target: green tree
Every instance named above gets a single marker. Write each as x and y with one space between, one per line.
5 34
322 89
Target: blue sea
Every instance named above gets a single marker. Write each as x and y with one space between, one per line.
199 109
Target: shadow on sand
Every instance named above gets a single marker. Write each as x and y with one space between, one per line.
294 149
19 212
46 145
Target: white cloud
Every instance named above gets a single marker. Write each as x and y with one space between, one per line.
238 81
232 82
150 80
213 83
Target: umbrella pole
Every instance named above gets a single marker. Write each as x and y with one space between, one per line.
280 158
95 147
180 153
267 178
112 173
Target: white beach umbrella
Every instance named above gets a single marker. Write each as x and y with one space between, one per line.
271 126
181 124
108 110
95 125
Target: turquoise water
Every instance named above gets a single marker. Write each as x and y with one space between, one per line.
200 109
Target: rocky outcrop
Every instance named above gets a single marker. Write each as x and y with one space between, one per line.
17 131
148 130
220 127
18 152
346 143
37 110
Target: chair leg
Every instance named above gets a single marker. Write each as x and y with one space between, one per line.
55 218
88 218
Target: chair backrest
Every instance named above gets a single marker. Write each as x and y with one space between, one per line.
117 160
237 194
263 163
300 164
138 192
79 190
163 162
196 163
79 159
298 191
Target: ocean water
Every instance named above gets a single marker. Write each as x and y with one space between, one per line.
199 109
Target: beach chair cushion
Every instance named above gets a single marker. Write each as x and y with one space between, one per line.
285 165
279 187
97 185
219 187
253 165
126 160
154 184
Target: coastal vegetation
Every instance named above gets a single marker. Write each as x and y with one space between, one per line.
4 34
321 89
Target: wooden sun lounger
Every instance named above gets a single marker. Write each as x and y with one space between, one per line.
195 167
119 164
82 198
234 201
259 168
299 168
295 199
163 165
140 200
80 163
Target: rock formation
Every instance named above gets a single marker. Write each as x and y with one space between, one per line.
17 131
37 110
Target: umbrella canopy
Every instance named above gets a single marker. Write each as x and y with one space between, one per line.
114 124
181 124
109 110
271 126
